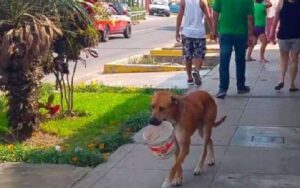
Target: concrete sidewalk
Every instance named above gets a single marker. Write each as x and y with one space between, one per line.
258 145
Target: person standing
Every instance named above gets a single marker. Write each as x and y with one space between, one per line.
270 18
288 14
193 35
260 16
234 18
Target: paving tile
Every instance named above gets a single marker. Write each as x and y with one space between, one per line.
139 178
47 176
274 103
249 160
271 117
140 158
256 180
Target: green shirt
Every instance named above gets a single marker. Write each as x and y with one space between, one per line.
260 14
234 15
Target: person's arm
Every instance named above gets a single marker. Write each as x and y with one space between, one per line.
179 20
208 18
216 16
276 20
268 4
250 21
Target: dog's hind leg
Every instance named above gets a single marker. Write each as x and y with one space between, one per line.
206 138
211 155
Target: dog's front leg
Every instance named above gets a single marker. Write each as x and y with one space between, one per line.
176 167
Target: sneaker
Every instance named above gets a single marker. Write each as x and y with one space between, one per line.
243 90
197 78
221 94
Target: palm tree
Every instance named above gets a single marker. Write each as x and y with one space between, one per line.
32 34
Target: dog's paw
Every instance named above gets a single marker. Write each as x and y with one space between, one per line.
211 162
197 171
177 182
166 184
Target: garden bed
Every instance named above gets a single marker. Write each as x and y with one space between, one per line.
112 115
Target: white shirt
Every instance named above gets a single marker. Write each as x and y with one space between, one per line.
271 11
193 20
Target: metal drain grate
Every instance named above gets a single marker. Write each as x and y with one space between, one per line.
259 139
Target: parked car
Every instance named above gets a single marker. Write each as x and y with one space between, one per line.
159 8
123 8
117 23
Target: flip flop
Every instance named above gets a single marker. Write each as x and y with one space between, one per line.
251 59
294 89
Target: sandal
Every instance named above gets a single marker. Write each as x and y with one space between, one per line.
279 86
294 89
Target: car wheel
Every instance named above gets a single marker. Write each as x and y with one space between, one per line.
168 14
105 35
151 12
127 31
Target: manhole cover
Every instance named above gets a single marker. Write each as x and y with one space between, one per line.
263 80
267 139
254 136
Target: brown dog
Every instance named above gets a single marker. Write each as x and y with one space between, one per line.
187 113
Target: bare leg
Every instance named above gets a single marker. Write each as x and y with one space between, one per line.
283 68
250 50
264 43
198 63
188 67
283 65
294 68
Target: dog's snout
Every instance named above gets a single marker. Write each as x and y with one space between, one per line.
154 121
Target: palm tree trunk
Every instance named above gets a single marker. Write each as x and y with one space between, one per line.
23 87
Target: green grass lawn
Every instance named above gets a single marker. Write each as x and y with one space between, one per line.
114 114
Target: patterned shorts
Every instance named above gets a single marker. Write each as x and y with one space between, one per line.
193 48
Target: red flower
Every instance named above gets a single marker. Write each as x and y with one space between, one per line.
53 109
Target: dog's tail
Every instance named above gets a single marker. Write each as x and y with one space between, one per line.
217 123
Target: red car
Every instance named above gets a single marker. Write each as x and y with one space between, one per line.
116 24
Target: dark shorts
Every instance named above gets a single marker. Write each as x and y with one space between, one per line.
259 30
193 48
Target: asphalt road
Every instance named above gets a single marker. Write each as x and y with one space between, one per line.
153 33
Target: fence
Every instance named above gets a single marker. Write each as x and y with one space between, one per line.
138 15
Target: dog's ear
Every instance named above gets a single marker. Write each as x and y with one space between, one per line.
175 99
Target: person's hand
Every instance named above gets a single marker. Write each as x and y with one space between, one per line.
177 37
251 40
272 37
214 36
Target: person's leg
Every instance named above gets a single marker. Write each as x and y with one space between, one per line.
187 56
240 45
250 50
226 44
269 25
264 43
188 68
199 47
284 47
294 55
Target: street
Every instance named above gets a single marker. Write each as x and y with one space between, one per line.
152 33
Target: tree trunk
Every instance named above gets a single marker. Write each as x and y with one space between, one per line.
23 86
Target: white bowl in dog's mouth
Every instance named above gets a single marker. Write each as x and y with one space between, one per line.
161 140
